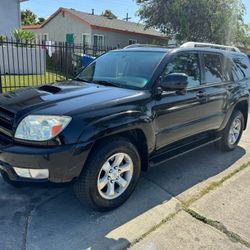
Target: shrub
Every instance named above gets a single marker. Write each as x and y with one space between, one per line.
24 35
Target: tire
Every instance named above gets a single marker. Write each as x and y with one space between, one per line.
224 144
102 161
10 182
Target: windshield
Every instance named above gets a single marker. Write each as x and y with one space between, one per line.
128 69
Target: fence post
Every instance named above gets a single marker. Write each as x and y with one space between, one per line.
1 83
66 61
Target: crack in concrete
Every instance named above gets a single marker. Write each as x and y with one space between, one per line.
214 185
219 226
28 217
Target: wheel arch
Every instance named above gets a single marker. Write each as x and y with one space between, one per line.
136 136
243 106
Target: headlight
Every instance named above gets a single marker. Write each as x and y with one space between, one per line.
41 127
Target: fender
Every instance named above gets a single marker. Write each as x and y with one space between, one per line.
119 123
232 107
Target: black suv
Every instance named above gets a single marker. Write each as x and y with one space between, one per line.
128 110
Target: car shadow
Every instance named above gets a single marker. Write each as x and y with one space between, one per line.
52 218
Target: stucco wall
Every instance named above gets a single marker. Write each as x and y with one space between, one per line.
58 27
9 16
122 39
61 25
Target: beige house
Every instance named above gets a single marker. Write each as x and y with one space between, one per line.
72 26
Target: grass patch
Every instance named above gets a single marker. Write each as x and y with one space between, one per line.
168 218
185 207
214 185
12 82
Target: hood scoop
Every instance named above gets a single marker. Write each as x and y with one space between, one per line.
50 89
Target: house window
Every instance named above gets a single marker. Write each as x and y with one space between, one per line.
45 37
98 41
86 39
132 41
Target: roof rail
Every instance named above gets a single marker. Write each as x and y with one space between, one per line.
209 45
138 45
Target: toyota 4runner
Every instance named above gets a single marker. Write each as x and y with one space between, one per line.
128 110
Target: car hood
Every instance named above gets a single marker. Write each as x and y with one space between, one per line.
66 98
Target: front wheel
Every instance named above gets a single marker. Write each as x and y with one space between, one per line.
10 182
233 132
110 175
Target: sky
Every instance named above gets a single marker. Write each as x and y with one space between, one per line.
118 7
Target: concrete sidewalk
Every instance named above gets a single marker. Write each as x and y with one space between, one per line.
38 217
219 220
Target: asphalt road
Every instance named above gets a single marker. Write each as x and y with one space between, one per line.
40 217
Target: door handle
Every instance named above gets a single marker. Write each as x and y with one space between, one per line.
230 86
201 94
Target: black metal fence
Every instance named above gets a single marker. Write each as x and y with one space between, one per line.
24 64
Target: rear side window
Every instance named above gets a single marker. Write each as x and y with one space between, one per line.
241 67
187 63
213 68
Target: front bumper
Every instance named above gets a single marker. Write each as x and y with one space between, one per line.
64 163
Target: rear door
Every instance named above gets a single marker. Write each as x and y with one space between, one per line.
216 85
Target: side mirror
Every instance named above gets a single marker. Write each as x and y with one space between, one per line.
175 82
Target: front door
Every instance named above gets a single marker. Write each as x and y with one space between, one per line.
70 38
180 115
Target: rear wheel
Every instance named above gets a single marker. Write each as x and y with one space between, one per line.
233 132
110 175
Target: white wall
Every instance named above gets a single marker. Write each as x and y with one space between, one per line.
9 16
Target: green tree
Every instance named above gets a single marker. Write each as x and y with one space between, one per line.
216 21
109 14
28 17
40 20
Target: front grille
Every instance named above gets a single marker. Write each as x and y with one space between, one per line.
6 124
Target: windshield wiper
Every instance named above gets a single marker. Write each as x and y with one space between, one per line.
107 83
82 80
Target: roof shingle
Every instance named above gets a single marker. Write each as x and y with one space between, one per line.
102 21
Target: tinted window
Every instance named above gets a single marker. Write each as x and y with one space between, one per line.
188 64
229 69
241 68
213 68
125 68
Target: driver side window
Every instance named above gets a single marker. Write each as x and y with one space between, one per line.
187 63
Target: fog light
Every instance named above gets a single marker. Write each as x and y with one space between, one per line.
32 173
39 173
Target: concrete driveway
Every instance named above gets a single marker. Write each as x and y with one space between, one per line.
38 217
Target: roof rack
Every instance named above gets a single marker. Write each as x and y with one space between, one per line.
209 45
137 45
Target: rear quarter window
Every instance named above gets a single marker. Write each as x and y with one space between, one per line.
241 67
